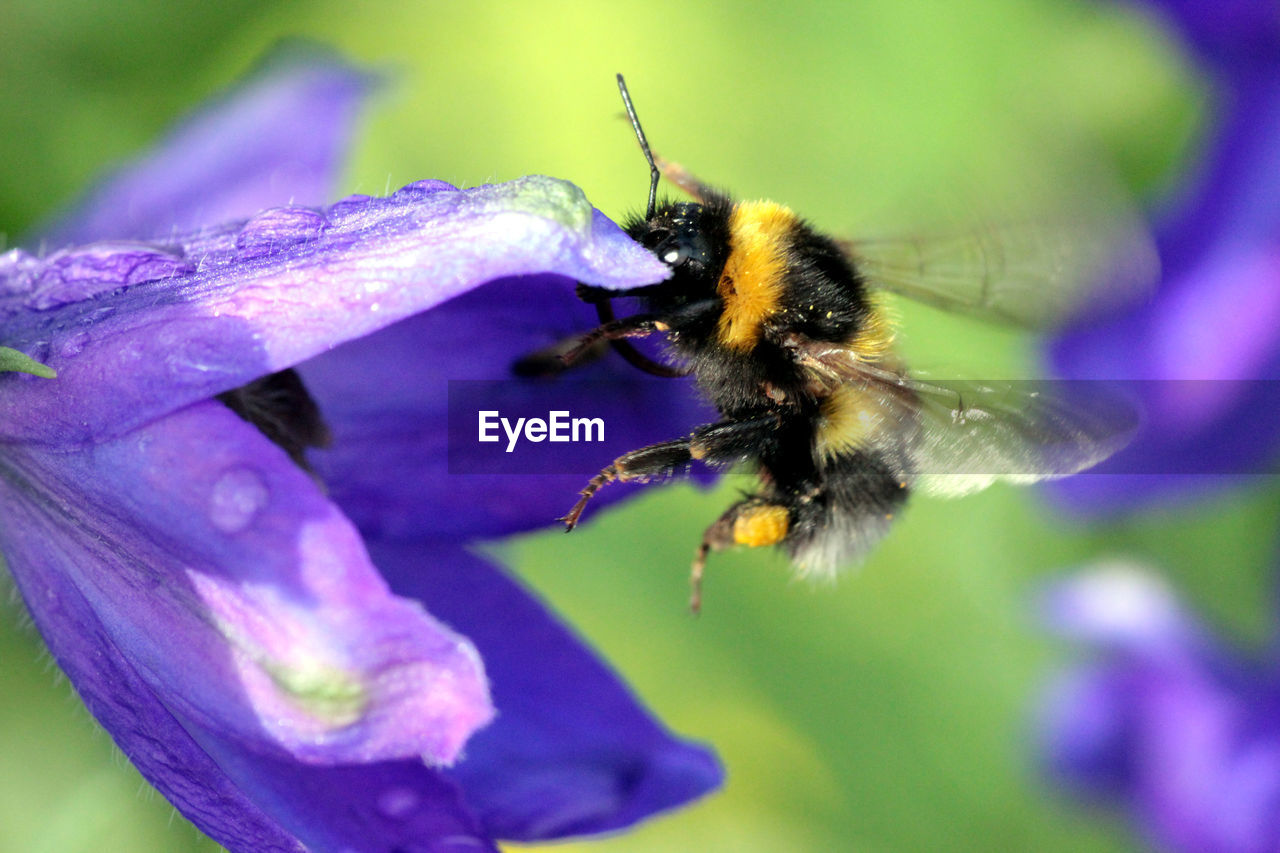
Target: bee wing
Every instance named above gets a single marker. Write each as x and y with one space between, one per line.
1039 273
961 436
1031 274
971 434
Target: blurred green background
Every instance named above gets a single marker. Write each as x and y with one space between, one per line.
892 711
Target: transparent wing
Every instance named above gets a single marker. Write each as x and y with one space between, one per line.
971 434
961 436
1032 274
1038 271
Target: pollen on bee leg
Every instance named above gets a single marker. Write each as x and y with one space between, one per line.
761 524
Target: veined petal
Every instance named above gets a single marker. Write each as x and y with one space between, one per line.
279 137
571 751
241 596
158 743
387 805
137 331
246 800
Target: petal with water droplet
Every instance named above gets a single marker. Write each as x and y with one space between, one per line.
167 342
242 597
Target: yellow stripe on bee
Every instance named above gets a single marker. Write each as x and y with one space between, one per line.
851 419
874 338
762 524
751 283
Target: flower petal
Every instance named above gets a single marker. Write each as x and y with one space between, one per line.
1085 730
1215 319
156 741
279 137
135 332
1232 33
240 595
390 805
571 751
398 465
243 799
1165 721
1119 606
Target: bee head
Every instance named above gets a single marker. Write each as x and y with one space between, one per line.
688 238
675 235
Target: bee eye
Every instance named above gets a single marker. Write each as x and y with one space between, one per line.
651 240
674 255
668 246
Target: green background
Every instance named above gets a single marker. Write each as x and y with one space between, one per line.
891 711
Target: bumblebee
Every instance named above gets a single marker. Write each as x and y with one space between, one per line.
784 330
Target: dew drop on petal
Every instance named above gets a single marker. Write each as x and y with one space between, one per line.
236 498
418 189
73 345
279 228
352 204
74 275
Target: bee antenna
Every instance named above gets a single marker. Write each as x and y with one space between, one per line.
644 146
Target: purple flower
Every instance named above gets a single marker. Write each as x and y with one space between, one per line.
314 659
1164 720
1210 339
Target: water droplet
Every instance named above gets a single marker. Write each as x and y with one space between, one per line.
236 499
279 228
418 189
73 345
398 803
84 272
354 203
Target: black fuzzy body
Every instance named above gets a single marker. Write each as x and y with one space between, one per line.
772 404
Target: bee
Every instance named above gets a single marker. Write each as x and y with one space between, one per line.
785 332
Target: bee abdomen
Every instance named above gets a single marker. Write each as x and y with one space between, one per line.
847 512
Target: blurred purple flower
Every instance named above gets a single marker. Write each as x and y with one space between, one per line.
1211 336
289 664
1164 720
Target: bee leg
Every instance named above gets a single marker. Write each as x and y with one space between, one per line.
549 361
636 326
656 460
717 444
753 522
640 325
629 353
716 538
